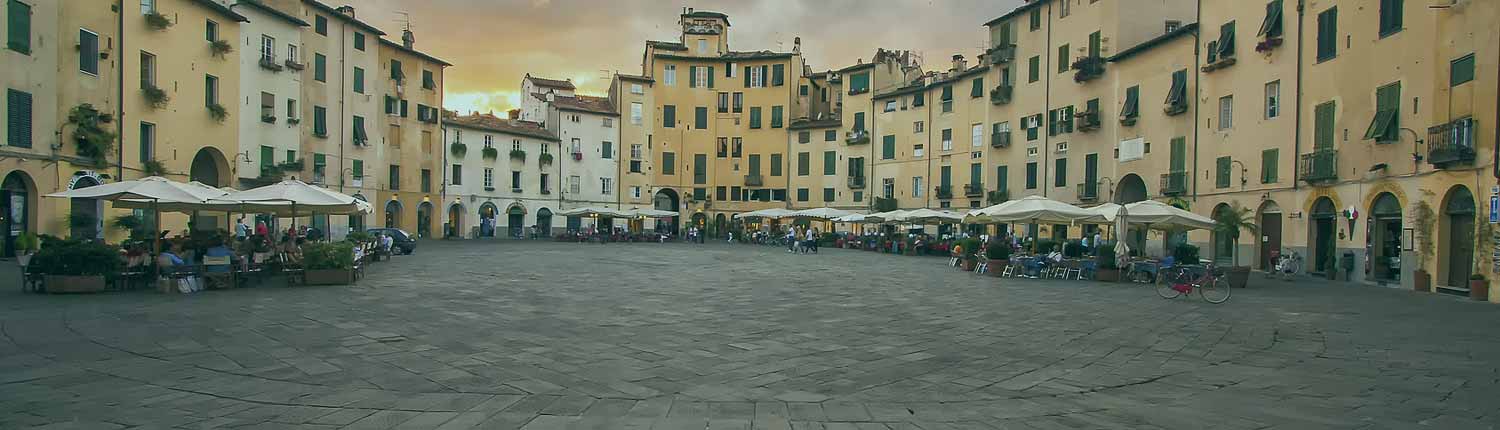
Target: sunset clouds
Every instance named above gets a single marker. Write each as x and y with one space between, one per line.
494 43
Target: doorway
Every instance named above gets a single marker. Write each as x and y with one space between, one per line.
1385 239
515 220
393 214
424 220
1322 234
1459 213
487 213
1270 234
544 222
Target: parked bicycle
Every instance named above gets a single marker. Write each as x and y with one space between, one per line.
1212 285
1289 264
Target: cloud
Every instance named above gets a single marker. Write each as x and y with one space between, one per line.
494 43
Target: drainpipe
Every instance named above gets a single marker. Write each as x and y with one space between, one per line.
343 80
119 93
1046 106
1297 101
1197 92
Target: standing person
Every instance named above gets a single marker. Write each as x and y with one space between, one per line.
241 230
812 239
261 230
791 239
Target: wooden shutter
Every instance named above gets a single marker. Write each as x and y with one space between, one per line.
18 26
747 76
1221 176
692 76
888 147
1179 154
1328 33
18 118
1226 40
1268 174
1271 27
710 76
1323 126
1002 178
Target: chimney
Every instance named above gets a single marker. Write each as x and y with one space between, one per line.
514 114
797 45
551 96
959 64
346 10
408 39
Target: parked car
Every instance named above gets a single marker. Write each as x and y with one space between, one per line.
401 241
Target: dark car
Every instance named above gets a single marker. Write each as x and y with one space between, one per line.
401 242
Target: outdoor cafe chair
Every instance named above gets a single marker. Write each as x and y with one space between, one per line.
291 269
1073 268
216 278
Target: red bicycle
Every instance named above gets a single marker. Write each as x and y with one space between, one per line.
1211 284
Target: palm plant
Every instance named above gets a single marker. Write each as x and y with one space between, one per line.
1229 223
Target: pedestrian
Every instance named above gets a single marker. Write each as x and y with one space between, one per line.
241 230
791 239
812 240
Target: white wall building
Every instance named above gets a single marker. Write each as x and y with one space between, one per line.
589 131
514 186
533 109
271 61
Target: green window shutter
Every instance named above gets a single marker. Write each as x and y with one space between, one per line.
404 110
1461 71
1323 117
1090 169
18 118
859 120
976 172
754 164
320 68
1096 40
747 76
1268 166
1034 69
830 163
776 116
1132 108
1328 34
920 99
775 164
700 168
945 177
358 168
1063 61
668 163
291 155
710 77
267 159
1222 172
320 160
888 147
947 93
978 90
828 194
1386 125
668 116
700 118
1031 175
1060 173
1226 40
1052 122
1271 27
359 80
692 76
778 75
803 160
1179 154
755 117
396 70
1002 178
320 121
1391 16
18 27
1036 19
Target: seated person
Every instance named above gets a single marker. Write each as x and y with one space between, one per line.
292 249
220 249
168 260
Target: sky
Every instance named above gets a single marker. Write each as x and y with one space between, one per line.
493 44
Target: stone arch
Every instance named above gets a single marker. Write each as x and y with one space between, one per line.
210 167
424 220
544 221
85 216
18 200
1131 189
1322 233
455 220
1222 244
357 220
666 199
1268 241
1456 237
1383 237
393 213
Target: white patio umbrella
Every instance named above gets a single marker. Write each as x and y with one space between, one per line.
1162 216
772 213
854 218
591 210
884 217
1032 209
822 213
151 192
1121 231
651 213
1108 210
929 216
291 198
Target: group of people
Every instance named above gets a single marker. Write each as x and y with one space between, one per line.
802 240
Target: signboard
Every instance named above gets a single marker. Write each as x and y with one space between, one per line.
1494 209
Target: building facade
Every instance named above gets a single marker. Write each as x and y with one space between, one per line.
507 170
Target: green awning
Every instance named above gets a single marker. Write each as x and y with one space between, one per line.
1380 127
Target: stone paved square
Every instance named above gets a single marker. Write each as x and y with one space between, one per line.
543 335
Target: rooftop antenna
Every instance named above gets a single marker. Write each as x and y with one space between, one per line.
407 38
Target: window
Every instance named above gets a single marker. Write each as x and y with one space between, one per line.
917 151
859 83
700 168
635 151
1386 126
1036 19
359 41
721 193
754 117
700 118
18 26
917 100
575 184
977 135
778 75
429 82
669 75
1273 99
635 191
88 52
916 126
635 113
18 120
947 139
210 90
702 46
320 121
723 148
804 159
394 176
1268 166
320 67
1461 71
668 163
668 116
830 135
723 103
574 147
890 106
700 77
1328 34
148 70
1034 69
756 77
804 137
458 174
1390 16
828 194
776 164
320 24
211 31
976 90
291 109
830 163
607 150
776 116
1063 60
859 121
148 142
1002 178
359 80
947 98
888 147
1225 46
801 194
267 105
1064 9
607 186
1060 174
1031 175
1096 42
916 186
1222 172
360 138
637 89
1226 112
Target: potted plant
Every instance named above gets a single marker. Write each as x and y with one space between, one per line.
220 47
1422 216
1185 253
153 168
490 153
545 158
969 255
998 254
76 266
26 246
517 154
329 263
1479 287
458 149
157 21
1108 269
1230 223
218 112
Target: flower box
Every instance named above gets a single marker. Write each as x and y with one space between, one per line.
74 284
328 277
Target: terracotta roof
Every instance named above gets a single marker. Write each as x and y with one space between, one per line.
626 77
346 18
550 83
668 46
500 125
263 7
581 103
221 10
1155 42
423 55
805 124
707 14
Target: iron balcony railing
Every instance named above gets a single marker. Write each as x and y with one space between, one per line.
1174 183
754 180
1001 95
856 182
1088 191
857 137
944 191
1451 144
973 190
1319 167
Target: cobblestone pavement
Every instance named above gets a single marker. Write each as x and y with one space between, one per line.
534 335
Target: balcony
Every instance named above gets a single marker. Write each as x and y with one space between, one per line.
1088 69
1174 183
1001 95
857 137
856 182
1087 121
294 65
973 190
1000 140
754 180
1319 167
269 63
1001 54
1088 192
1451 144
998 197
883 204
944 191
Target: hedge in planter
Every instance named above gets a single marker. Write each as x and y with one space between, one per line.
73 266
970 253
1109 268
328 263
998 254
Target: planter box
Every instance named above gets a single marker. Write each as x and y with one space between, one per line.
74 284
967 265
1479 289
1422 281
1107 275
1238 276
996 267
329 277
